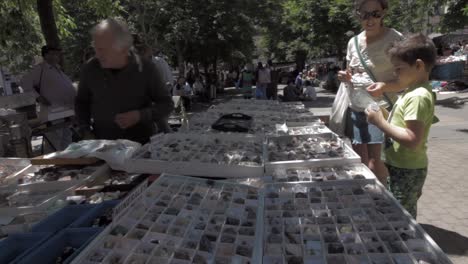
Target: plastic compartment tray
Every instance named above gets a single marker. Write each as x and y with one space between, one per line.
15 247
99 171
63 218
87 219
314 173
341 222
349 156
48 194
139 164
48 252
179 219
10 167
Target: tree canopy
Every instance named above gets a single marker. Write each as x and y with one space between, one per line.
206 32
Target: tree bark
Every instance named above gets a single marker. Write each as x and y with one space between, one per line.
48 25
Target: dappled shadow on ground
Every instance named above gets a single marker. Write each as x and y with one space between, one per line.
453 102
450 242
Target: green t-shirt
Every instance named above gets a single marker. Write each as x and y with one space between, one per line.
415 104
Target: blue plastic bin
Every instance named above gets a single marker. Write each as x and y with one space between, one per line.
87 220
16 246
49 251
63 218
449 71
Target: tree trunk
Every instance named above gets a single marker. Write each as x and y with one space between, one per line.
48 25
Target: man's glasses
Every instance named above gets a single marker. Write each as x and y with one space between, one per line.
368 15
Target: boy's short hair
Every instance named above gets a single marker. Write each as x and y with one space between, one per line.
415 47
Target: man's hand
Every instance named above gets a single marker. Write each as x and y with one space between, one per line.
377 89
344 76
128 119
375 117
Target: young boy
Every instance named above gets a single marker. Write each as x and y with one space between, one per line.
408 126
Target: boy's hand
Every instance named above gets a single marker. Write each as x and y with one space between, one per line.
375 117
128 119
376 89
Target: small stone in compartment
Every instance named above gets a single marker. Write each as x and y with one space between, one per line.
230 231
274 239
67 252
315 200
247 224
272 195
227 239
181 254
251 212
335 248
301 195
190 245
119 230
239 201
232 221
295 260
171 211
143 226
244 251
198 259
246 232
97 257
291 239
293 250
341 219
205 244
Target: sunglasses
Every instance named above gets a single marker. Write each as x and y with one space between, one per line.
368 15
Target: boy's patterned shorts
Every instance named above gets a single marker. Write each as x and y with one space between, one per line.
406 185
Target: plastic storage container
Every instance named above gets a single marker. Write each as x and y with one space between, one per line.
63 218
99 210
16 246
449 71
49 251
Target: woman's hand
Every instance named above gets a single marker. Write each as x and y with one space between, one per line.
344 76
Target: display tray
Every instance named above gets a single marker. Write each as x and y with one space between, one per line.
341 222
187 220
59 175
32 198
322 149
9 167
183 220
314 173
207 155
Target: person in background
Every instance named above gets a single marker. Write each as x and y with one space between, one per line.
372 43
163 68
309 91
272 89
263 80
408 127
55 90
183 89
246 81
120 94
291 93
299 81
198 87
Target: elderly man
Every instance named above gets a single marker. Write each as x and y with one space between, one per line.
120 94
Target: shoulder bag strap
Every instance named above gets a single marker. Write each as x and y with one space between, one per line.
38 87
366 68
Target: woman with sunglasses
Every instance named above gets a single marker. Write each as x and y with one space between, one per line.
372 44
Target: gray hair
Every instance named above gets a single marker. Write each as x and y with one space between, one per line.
119 29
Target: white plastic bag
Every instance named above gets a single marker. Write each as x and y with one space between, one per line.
338 111
114 152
